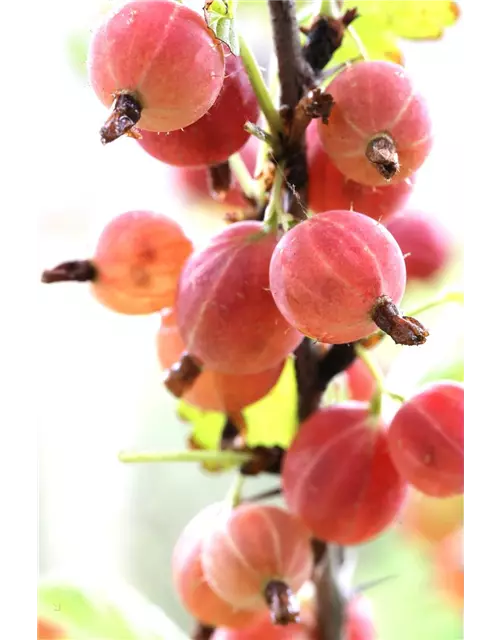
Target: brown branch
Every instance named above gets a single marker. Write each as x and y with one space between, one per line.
296 77
294 72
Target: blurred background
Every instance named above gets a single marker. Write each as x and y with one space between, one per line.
102 390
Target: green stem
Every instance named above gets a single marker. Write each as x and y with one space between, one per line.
259 86
351 30
274 211
244 177
451 296
326 9
378 377
234 495
221 457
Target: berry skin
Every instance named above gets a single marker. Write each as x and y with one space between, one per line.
432 519
49 631
449 567
256 545
359 622
139 257
226 314
376 105
423 240
193 183
426 439
136 264
328 188
163 55
360 381
216 135
189 578
264 630
328 273
338 477
213 391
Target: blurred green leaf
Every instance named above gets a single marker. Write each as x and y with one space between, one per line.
87 612
378 40
411 19
219 16
271 421
77 46
410 607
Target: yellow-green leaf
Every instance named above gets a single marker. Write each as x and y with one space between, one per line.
271 421
411 19
219 16
87 612
379 42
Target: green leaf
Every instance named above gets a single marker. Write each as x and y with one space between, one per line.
271 421
410 19
379 42
220 17
88 612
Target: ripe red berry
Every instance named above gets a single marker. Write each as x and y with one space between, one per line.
449 567
225 312
264 630
338 477
163 56
379 128
256 545
216 135
328 273
136 264
213 391
426 439
360 381
359 620
49 631
189 579
423 240
431 519
193 183
328 188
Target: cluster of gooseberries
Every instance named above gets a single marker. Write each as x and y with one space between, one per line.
231 312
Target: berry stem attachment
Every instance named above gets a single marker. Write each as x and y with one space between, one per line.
382 153
274 213
125 115
452 296
402 329
283 604
245 180
182 375
217 457
74 271
259 86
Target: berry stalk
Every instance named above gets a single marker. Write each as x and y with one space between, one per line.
72 271
259 86
218 457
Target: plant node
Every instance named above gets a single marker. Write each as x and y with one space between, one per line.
382 153
73 271
125 115
325 36
282 602
402 329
